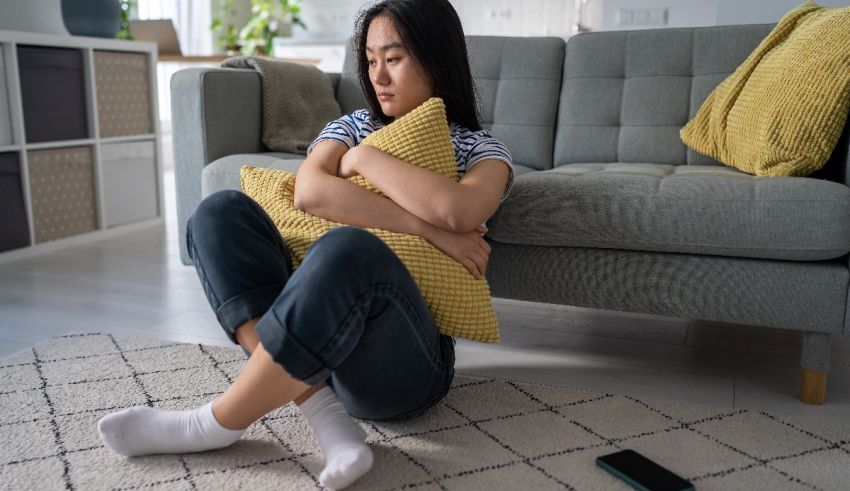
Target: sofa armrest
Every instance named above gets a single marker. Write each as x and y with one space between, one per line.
335 78
215 112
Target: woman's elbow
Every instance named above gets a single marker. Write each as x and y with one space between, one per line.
299 203
300 199
459 222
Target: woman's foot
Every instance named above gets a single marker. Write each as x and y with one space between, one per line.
347 457
143 430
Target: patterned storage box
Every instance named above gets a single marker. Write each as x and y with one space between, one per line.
53 93
5 114
14 230
62 190
128 173
123 93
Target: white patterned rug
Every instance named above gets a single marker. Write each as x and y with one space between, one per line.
487 433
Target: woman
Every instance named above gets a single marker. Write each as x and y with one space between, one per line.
348 333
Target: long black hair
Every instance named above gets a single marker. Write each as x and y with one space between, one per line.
432 33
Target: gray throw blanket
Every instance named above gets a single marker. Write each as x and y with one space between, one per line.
298 100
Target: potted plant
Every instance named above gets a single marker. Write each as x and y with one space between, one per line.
124 32
100 18
270 18
222 23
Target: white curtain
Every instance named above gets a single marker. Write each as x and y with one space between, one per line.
191 19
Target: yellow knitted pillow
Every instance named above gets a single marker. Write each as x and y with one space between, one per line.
460 303
782 111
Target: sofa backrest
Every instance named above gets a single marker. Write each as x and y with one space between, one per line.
604 96
518 82
626 95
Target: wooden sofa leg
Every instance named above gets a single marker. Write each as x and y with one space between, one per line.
815 364
813 387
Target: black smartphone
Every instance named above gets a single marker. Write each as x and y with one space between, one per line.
641 473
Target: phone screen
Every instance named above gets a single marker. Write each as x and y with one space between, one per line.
642 473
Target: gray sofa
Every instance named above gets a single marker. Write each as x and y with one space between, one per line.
609 210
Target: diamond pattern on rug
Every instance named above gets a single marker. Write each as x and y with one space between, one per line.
89 370
539 433
21 405
514 476
26 441
605 417
753 434
576 467
34 474
487 433
258 447
689 452
813 468
21 377
760 477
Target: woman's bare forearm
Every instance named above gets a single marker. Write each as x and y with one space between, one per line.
429 195
340 200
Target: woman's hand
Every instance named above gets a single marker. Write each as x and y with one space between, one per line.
469 248
351 159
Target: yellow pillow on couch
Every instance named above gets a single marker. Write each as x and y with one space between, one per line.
782 111
460 303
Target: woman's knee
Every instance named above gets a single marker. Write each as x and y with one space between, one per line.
353 248
218 207
221 215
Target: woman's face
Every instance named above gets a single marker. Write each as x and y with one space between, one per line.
399 81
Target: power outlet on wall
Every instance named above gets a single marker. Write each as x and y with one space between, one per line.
649 17
493 14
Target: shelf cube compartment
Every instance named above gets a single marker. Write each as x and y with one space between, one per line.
5 112
129 182
62 192
53 93
123 93
14 229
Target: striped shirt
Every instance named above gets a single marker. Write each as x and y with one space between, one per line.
470 147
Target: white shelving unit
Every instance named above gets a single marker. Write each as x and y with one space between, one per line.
121 135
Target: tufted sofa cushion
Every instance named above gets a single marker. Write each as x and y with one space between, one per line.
697 209
625 95
517 81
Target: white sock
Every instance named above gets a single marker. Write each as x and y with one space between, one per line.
343 442
143 430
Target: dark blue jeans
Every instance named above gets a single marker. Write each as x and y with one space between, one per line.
351 314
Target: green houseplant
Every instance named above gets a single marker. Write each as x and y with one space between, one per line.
269 18
222 24
124 32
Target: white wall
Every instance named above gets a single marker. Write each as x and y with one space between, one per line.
762 11
680 13
328 20
692 13
515 17
32 15
333 20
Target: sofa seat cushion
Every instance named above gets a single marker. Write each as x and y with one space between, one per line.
522 169
688 209
223 173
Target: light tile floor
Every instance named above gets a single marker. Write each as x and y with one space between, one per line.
135 284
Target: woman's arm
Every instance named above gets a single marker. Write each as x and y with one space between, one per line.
320 192
456 206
